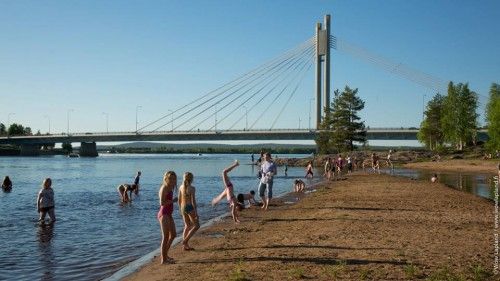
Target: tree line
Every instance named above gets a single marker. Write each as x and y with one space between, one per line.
453 119
15 130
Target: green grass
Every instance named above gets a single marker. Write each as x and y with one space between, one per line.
410 271
445 274
238 274
364 274
296 273
334 271
479 273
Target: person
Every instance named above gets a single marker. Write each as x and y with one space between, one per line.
250 197
389 160
349 164
7 184
434 178
187 204
124 188
298 185
164 215
328 164
136 181
286 169
268 171
45 202
309 170
340 165
229 192
253 159
375 163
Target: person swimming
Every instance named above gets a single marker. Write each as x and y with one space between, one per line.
7 184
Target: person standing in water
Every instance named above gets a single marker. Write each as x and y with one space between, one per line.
45 202
187 204
7 184
136 181
164 215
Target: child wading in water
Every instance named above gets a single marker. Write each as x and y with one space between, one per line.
45 201
187 203
229 192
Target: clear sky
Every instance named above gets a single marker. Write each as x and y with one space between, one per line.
111 56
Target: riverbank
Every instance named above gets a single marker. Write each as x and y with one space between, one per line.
458 165
373 227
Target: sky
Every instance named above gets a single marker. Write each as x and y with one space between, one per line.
98 60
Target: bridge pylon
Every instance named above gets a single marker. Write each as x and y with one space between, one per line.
322 68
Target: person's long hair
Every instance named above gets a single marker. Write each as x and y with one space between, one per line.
6 181
186 183
168 175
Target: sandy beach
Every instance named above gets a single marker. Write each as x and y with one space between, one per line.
367 227
458 165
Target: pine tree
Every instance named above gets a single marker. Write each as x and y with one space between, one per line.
493 118
431 130
343 123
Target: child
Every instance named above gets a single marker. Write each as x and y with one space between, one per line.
187 203
250 197
298 186
229 192
434 178
45 201
124 188
167 200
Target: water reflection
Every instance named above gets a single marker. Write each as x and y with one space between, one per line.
45 233
477 184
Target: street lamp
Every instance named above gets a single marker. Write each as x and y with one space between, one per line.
8 121
311 99
299 122
246 118
48 117
423 107
136 120
172 118
107 121
69 110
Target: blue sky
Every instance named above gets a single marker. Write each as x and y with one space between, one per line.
111 56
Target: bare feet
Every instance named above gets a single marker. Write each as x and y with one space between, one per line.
168 260
186 247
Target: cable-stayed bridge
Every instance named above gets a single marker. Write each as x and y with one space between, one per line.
251 106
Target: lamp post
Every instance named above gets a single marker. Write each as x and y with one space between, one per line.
423 107
8 122
172 118
69 110
107 121
136 116
310 100
299 122
48 118
246 118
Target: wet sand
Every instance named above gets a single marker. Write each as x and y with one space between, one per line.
473 166
371 227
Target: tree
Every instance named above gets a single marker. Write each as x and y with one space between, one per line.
431 129
343 125
2 129
493 118
459 115
15 130
67 147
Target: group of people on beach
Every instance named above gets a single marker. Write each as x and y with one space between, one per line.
188 208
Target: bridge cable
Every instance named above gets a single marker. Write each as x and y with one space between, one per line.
241 78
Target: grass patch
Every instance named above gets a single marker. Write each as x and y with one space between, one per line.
238 274
334 271
296 273
445 274
410 271
364 274
479 273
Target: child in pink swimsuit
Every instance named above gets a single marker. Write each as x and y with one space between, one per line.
229 192
164 215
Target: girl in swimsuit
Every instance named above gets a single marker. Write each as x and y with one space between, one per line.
165 215
126 190
309 170
187 204
229 192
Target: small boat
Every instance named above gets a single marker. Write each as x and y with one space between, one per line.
72 155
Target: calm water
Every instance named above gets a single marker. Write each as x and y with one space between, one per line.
94 234
479 184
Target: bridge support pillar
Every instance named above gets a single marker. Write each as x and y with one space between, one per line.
322 69
88 149
30 150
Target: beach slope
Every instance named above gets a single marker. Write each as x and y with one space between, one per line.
367 227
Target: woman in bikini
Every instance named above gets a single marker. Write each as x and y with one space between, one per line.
187 204
229 192
165 218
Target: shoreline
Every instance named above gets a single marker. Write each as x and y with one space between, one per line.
457 165
366 227
136 265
